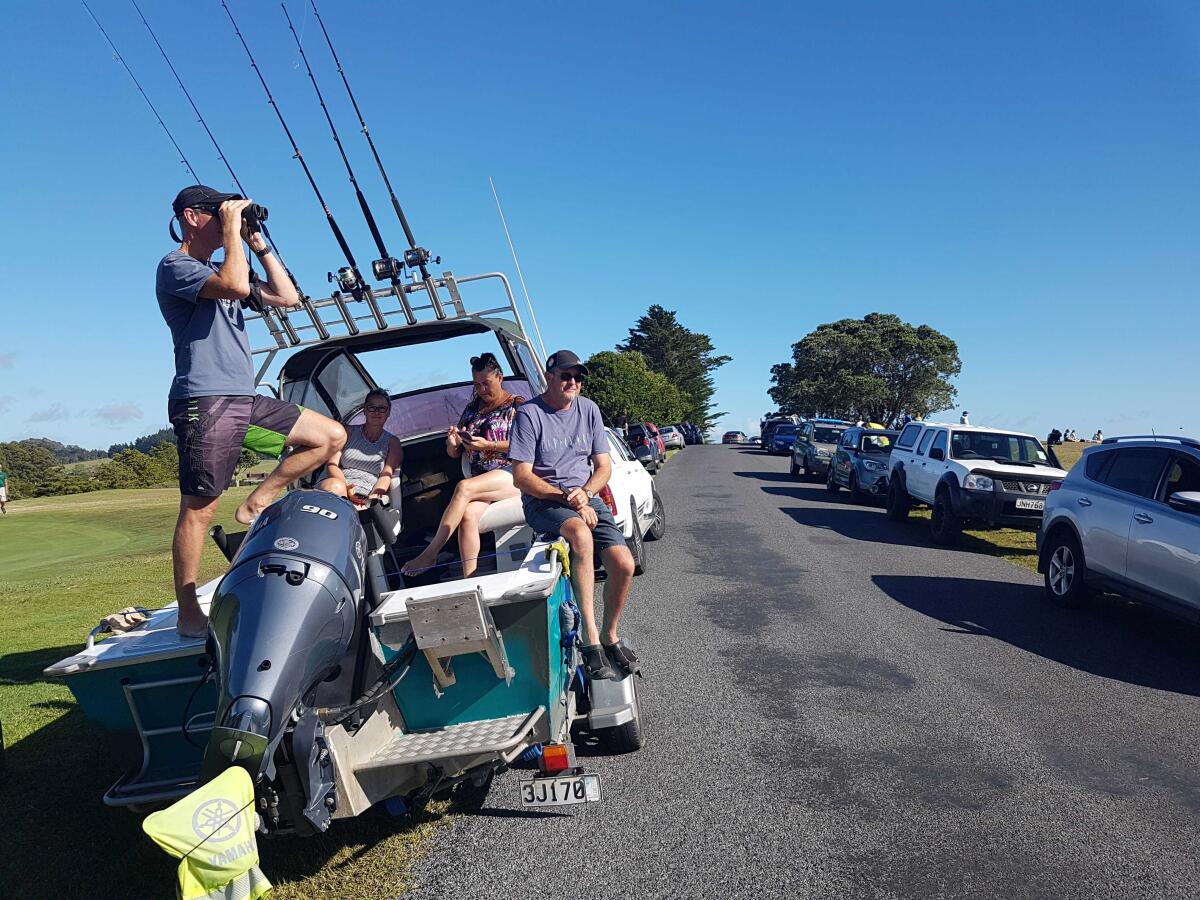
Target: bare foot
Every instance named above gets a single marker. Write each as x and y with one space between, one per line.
418 565
245 514
192 624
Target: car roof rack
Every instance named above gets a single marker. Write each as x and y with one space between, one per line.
1167 438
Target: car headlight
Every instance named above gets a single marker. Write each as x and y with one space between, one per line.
873 466
975 482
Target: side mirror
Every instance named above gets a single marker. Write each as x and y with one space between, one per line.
1187 501
937 453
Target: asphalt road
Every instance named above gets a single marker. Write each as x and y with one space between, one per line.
836 708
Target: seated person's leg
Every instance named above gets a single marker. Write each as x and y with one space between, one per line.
618 564
468 536
486 488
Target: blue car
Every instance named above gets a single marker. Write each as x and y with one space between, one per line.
783 439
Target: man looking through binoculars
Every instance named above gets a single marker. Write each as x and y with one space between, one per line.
212 404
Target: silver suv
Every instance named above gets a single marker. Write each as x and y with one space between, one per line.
1127 519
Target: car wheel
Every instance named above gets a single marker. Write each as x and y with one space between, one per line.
898 502
658 527
944 525
1066 573
831 485
635 543
856 495
807 476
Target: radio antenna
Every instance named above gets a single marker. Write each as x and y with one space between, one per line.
415 257
517 263
349 278
117 53
386 267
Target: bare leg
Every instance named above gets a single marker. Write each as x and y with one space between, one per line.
195 515
488 487
336 486
583 575
618 563
468 536
315 438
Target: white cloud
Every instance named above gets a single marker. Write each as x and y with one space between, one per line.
7 360
55 412
118 413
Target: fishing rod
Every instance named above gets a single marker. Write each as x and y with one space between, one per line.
182 157
305 300
349 278
415 257
383 268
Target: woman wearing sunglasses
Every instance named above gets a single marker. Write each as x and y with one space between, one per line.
481 433
364 468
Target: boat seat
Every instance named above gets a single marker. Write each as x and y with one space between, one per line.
506 520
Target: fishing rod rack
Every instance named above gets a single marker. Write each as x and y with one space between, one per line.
387 310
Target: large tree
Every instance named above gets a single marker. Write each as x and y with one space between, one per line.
685 357
876 368
626 390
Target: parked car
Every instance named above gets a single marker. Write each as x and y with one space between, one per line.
860 462
672 437
782 438
1126 519
733 437
969 473
643 433
814 446
639 512
768 426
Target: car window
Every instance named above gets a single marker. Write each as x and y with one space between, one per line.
997 447
908 436
1096 464
848 439
827 435
1183 474
925 442
939 443
619 447
785 429
1136 470
875 443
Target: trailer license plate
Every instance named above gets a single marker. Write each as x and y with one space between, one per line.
1022 503
560 790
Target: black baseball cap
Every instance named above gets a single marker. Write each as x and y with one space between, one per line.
200 195
565 359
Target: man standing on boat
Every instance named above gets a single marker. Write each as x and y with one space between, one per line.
212 404
560 462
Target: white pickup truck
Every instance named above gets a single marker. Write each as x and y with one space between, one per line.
969 473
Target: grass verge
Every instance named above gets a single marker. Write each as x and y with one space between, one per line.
64 563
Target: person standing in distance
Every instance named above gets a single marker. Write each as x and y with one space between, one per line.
560 461
212 404
3 492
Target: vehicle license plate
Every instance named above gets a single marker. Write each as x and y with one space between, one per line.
1022 503
560 790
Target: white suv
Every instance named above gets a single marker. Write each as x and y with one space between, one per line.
969 473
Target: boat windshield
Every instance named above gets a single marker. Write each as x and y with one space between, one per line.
424 412
1003 448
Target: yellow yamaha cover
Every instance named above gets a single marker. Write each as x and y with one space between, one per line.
212 831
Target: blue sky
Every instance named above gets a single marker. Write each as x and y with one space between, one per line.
1022 176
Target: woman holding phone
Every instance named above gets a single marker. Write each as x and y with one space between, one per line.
481 433
363 469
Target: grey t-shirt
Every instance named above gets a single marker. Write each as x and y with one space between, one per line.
559 443
212 355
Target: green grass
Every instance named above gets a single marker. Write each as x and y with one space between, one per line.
64 563
1017 545
85 466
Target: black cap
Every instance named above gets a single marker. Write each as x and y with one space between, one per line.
564 359
200 195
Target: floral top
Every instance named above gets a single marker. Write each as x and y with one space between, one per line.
491 426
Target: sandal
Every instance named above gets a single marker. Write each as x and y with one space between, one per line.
596 663
623 657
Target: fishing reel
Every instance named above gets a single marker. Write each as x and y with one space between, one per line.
388 269
419 256
346 278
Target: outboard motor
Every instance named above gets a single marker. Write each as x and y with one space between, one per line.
281 620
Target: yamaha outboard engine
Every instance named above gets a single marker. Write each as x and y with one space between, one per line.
281 620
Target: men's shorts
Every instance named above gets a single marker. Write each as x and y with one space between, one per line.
3 493
549 516
211 432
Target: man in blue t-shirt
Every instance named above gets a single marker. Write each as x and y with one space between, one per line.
560 462
212 404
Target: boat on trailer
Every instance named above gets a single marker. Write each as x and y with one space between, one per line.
335 680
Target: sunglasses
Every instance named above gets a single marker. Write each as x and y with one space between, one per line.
571 376
378 408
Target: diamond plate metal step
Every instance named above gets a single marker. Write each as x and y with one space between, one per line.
468 739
